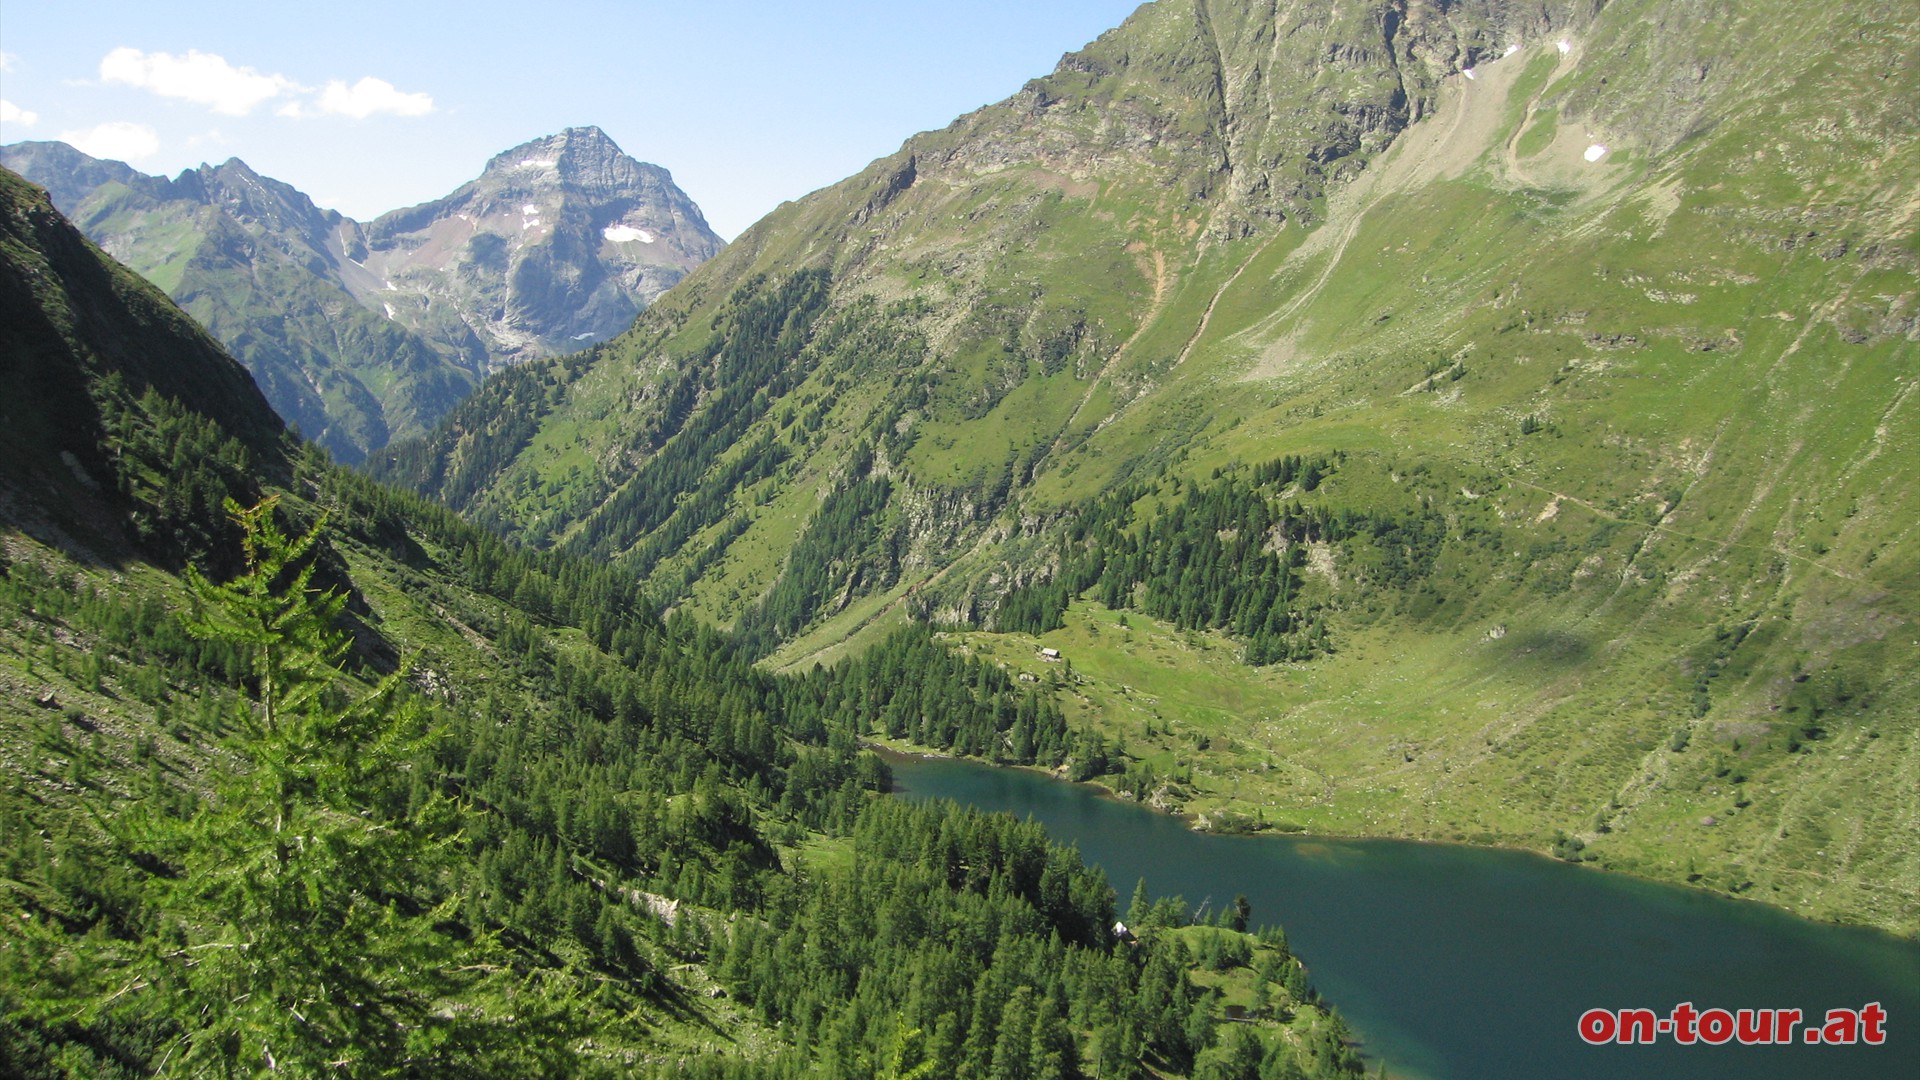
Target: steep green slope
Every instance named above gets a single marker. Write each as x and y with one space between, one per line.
85 343
1008 275
1657 404
366 790
1615 310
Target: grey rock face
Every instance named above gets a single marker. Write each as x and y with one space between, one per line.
558 244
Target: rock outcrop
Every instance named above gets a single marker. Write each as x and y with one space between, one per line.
558 244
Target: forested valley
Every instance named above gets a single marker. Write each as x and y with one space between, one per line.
308 776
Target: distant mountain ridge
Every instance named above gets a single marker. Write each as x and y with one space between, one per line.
361 333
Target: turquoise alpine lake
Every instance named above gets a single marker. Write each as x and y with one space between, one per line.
1462 963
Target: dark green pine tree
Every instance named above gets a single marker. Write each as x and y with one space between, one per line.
293 921
1237 1057
1242 911
1013 1052
909 1059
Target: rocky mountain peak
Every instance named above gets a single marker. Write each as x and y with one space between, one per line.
258 201
558 243
582 158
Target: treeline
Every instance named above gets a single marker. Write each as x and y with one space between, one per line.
174 467
1229 554
1224 555
846 551
910 686
479 437
707 503
751 362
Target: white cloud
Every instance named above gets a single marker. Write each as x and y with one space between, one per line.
14 114
370 96
7 60
208 79
117 140
202 78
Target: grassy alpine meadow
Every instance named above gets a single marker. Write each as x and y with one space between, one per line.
1481 739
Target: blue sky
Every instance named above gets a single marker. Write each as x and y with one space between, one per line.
369 107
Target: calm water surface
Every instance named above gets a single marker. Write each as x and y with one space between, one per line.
1458 963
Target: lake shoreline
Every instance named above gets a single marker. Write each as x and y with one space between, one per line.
910 751
1410 935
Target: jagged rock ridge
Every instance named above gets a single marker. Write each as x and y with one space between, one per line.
359 334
